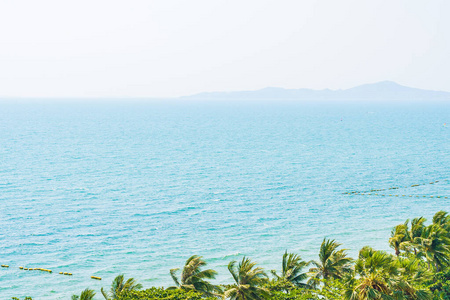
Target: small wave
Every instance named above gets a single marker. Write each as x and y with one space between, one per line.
232 255
176 211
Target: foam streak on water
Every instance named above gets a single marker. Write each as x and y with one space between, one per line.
104 189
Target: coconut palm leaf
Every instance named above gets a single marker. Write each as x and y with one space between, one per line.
332 264
173 274
87 294
434 246
119 285
415 231
441 218
382 276
248 281
399 235
193 277
291 270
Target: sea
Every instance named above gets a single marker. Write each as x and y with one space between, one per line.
135 187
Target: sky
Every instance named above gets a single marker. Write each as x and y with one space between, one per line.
170 48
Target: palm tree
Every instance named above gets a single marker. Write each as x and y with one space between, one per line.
291 270
87 294
248 281
414 270
380 277
434 245
399 235
442 218
375 268
417 226
332 264
193 278
119 285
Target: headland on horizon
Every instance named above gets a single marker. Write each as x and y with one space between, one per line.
372 92
379 91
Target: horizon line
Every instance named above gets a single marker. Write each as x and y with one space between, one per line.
4 97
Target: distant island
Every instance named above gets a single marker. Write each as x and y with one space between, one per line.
380 91
383 91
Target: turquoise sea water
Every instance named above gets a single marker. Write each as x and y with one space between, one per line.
103 189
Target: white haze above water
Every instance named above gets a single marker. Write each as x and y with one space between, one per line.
172 48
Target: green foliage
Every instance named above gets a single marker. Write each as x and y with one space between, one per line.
429 243
291 271
442 219
161 293
26 298
382 276
119 285
87 294
440 285
294 294
414 270
419 270
249 281
412 233
332 264
399 237
334 289
193 277
279 285
433 245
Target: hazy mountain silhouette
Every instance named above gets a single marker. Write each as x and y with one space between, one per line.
380 91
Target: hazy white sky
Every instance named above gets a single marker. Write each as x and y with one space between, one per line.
96 48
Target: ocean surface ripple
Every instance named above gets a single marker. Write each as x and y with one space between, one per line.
104 189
